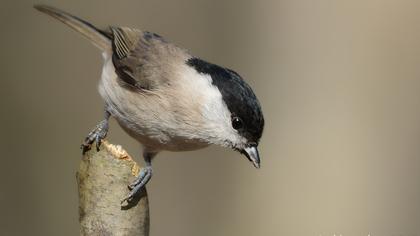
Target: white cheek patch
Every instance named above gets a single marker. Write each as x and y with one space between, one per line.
215 113
214 108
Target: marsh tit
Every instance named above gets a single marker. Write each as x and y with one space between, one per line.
166 98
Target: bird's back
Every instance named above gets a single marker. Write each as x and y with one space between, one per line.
144 60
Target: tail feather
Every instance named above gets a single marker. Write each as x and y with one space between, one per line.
96 36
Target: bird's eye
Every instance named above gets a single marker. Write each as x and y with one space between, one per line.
237 122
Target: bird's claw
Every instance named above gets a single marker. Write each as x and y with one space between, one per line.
142 179
96 135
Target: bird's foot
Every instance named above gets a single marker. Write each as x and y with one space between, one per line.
96 135
144 176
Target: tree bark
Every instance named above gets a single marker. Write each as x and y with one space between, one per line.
102 180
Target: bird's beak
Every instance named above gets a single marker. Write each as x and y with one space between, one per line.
252 154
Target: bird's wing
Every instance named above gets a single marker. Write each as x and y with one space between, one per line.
143 60
124 40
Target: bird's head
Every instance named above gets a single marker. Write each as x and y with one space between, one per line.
235 113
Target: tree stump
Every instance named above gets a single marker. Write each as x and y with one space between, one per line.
102 179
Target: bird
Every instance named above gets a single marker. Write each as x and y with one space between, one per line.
166 98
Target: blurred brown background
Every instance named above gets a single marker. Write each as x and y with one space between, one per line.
339 82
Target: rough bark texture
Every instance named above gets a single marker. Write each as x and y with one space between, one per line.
102 179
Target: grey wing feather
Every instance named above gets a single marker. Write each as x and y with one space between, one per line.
130 57
144 60
125 40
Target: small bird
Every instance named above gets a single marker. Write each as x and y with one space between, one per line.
167 99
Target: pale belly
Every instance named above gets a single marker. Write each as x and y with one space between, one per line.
157 142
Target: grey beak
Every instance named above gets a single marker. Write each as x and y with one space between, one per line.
252 154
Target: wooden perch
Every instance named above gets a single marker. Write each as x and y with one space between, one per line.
102 179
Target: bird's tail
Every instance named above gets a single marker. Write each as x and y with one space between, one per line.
96 36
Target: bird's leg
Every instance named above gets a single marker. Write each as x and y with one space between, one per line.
144 176
97 134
